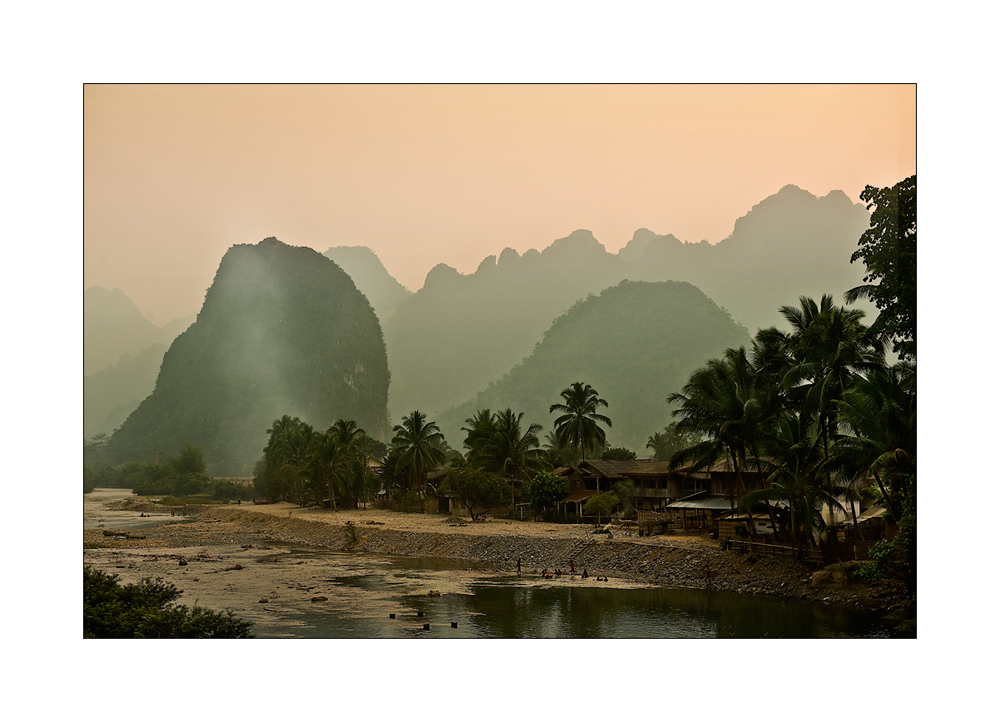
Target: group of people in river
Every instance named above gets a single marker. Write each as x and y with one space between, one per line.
558 572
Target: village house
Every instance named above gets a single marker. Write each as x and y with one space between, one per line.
684 498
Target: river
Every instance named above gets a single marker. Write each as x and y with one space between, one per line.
490 606
292 591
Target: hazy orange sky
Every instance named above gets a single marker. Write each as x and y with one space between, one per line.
425 174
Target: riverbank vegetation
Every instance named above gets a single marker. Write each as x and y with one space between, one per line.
147 611
820 412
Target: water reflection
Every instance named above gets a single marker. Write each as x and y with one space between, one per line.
484 606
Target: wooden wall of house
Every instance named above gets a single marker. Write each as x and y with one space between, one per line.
690 520
727 526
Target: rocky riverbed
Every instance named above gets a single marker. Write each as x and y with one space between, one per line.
676 561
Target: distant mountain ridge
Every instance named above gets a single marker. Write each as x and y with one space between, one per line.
113 393
365 268
122 351
112 327
283 330
460 332
636 343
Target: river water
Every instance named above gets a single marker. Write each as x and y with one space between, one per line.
371 596
480 604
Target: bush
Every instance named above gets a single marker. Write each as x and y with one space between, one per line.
222 490
145 610
618 453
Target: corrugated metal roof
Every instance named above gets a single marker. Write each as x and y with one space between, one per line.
871 512
708 502
579 495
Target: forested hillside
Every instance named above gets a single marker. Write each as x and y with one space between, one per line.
459 332
283 330
635 343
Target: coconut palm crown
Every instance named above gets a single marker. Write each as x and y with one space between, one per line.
419 441
578 425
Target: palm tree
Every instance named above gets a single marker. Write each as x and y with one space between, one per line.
346 432
478 430
659 442
723 404
830 346
509 452
578 425
669 441
419 443
881 411
797 466
330 464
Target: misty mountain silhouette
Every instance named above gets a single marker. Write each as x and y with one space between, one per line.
460 332
365 268
113 393
636 343
112 327
283 330
122 354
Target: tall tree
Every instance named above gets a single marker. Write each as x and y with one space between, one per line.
579 423
478 430
289 451
668 442
829 345
330 465
880 409
796 468
420 444
721 402
889 251
509 451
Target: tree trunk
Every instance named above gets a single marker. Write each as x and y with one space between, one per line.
888 499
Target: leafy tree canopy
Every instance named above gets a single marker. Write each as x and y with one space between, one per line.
889 251
601 504
545 490
478 489
617 453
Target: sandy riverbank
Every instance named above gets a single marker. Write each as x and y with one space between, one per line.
669 560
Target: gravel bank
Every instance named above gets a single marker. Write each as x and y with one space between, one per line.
695 562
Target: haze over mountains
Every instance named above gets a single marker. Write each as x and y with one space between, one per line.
113 327
383 292
460 332
283 331
122 351
488 339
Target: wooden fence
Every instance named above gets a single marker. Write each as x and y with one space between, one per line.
807 554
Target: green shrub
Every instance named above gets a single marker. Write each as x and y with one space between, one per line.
146 610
